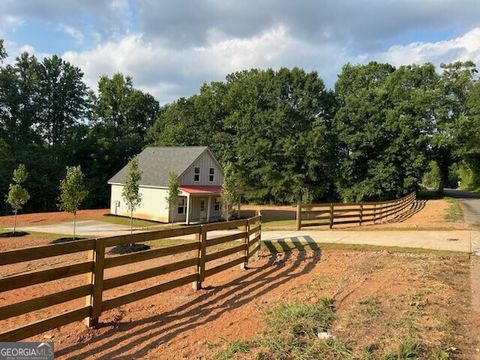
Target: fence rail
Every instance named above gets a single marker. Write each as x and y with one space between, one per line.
245 241
350 213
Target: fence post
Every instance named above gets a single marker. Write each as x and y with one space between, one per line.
246 242
299 216
361 214
331 215
374 213
94 300
202 253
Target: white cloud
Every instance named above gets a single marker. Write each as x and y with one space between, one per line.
464 47
168 72
73 32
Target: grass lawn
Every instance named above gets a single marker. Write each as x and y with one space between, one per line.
454 212
120 220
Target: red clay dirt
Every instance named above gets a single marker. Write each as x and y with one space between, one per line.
187 324
46 218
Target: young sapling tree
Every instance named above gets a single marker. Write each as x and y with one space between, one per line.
73 192
17 195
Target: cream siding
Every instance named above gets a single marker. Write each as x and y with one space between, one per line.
154 205
205 162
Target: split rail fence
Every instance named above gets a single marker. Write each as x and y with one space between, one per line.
244 241
351 213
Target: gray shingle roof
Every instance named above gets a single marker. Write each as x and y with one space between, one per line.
156 163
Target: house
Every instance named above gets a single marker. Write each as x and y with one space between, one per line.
200 178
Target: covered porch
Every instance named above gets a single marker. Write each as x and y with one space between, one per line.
199 204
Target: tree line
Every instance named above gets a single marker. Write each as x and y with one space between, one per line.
381 131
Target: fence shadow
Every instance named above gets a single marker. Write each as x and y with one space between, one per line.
416 207
211 303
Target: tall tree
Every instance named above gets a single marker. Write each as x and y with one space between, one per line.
454 87
383 123
72 193
172 197
18 196
274 126
131 188
64 97
229 195
122 115
3 52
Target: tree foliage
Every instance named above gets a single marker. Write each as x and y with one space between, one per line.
131 188
72 192
287 137
17 195
229 193
172 196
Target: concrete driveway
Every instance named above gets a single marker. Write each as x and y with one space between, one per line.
84 227
455 240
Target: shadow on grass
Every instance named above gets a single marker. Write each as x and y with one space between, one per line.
11 234
66 239
129 248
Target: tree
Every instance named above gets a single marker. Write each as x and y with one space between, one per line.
3 52
72 192
18 196
172 197
229 194
275 127
63 95
131 188
454 88
383 121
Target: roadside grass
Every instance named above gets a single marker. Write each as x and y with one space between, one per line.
121 220
44 235
454 212
384 325
300 330
286 246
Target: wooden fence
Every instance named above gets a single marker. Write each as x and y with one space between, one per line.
351 213
246 241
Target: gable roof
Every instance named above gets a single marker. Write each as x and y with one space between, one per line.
156 163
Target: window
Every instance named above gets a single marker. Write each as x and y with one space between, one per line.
202 205
217 204
196 174
181 205
211 175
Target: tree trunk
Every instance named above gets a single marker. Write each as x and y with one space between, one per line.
15 222
443 179
131 222
74 224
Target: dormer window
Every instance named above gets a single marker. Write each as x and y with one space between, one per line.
211 175
196 174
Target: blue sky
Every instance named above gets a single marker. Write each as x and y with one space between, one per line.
171 47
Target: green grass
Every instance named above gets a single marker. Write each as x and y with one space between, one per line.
285 246
292 333
454 212
120 220
44 235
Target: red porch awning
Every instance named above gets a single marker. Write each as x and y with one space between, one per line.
202 190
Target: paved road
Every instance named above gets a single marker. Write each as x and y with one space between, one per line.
470 202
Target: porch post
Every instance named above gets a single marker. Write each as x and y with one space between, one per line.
208 208
187 220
